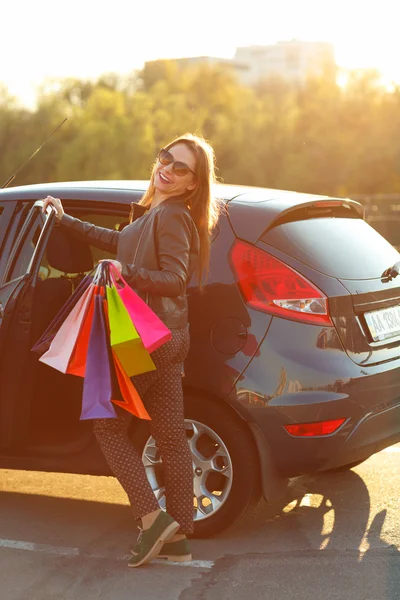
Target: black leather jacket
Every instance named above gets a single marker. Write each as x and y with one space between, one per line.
159 252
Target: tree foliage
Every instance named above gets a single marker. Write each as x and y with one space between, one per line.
320 138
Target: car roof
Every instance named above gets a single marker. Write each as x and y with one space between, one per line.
125 188
266 204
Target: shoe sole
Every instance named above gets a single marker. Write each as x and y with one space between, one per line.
171 557
165 535
176 558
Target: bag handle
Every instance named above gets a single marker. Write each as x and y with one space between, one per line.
102 275
114 274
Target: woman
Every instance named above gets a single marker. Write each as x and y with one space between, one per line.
157 254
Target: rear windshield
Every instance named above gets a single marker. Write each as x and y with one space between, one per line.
339 247
388 226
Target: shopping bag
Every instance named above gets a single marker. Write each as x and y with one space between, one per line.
131 402
124 338
77 363
124 393
62 346
153 332
43 343
97 384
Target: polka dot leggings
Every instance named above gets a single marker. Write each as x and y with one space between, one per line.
162 394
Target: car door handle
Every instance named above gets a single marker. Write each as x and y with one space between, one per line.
1 311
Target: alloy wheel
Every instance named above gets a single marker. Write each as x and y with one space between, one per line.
212 469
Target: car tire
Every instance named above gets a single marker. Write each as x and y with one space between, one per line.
223 433
245 492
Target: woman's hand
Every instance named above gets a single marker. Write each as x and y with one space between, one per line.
116 264
56 202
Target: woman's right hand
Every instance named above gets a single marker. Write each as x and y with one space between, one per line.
56 202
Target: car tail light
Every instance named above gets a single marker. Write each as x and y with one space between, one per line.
314 429
267 284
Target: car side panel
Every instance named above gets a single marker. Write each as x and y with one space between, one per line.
225 333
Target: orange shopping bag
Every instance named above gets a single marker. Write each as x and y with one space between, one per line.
132 402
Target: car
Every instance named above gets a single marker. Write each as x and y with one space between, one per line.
294 366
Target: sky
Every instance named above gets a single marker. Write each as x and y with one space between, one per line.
53 39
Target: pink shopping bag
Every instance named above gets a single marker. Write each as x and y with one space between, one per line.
63 344
153 332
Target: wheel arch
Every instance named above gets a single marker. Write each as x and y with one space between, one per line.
273 485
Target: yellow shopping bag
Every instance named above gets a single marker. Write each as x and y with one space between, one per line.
124 338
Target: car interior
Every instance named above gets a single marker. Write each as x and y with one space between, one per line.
56 397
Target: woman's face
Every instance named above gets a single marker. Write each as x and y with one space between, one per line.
167 181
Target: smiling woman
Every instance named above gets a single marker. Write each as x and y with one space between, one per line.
174 172
186 166
166 242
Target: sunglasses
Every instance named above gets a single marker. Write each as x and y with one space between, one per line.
179 168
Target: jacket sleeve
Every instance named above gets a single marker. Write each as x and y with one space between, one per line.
100 237
173 241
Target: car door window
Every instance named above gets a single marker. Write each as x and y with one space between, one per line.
110 221
24 249
8 220
83 257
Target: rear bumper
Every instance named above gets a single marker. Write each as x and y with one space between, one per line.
356 440
374 433
295 379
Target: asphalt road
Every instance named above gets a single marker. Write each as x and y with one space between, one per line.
336 536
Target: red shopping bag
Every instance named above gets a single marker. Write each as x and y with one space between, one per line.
77 363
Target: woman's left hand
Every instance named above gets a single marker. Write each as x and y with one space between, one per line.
116 264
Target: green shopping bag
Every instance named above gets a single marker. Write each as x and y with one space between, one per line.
124 338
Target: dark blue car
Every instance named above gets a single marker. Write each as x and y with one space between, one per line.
294 365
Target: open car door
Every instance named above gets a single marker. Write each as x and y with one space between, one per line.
17 285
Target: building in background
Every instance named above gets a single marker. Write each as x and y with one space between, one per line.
292 61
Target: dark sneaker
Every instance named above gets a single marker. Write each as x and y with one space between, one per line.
152 539
178 551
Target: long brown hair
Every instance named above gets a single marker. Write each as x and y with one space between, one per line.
204 208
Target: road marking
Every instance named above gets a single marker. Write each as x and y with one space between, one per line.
32 547
66 551
199 564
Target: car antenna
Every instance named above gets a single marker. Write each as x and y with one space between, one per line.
10 179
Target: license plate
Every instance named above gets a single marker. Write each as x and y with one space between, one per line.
384 324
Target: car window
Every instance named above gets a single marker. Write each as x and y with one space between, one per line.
26 246
338 247
110 221
53 264
388 227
